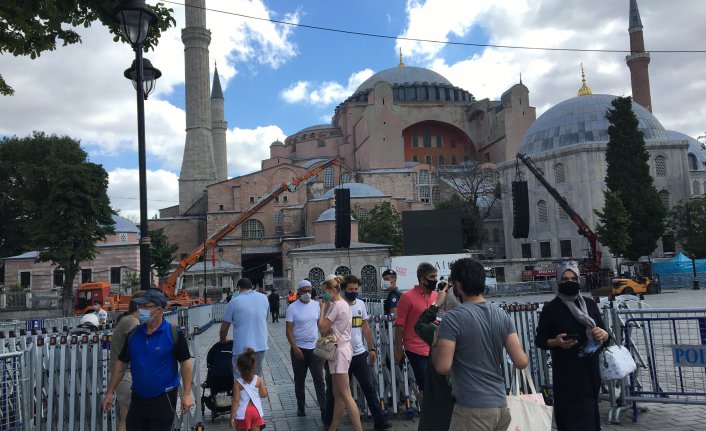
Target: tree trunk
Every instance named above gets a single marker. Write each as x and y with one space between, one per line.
67 292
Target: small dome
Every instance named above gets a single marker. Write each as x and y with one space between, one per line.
358 190
400 75
277 143
328 215
121 224
581 120
695 147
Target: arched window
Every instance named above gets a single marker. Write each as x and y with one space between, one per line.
427 159
542 211
496 235
342 270
368 279
441 161
253 229
660 166
415 159
559 173
316 277
328 177
696 188
562 214
279 216
664 197
361 213
345 178
693 163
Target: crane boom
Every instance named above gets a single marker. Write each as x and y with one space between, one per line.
594 261
169 287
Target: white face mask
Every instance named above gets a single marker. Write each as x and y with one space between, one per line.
305 297
386 284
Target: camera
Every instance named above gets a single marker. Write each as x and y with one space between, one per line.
442 284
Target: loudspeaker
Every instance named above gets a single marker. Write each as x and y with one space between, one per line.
520 209
343 218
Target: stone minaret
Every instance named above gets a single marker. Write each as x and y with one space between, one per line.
638 60
197 167
219 127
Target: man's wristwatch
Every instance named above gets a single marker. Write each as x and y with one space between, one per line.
372 350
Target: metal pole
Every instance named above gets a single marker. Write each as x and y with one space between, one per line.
145 271
695 285
205 253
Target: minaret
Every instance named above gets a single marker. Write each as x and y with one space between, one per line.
638 60
218 128
197 167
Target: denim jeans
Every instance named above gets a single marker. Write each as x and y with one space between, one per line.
312 363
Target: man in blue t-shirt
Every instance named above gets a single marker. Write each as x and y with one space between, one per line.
389 284
154 357
247 312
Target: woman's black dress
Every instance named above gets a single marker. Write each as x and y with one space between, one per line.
576 380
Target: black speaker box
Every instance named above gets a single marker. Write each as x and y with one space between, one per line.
343 218
520 209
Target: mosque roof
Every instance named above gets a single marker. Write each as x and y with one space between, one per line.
318 127
124 225
358 190
277 143
216 91
329 215
581 120
402 74
695 147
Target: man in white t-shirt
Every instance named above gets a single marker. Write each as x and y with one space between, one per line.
362 356
101 313
302 333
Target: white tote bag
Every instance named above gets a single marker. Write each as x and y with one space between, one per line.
528 411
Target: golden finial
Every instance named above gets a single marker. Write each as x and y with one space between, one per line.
401 62
584 90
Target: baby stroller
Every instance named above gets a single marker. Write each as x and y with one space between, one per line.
219 380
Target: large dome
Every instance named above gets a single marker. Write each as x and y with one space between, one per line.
400 75
581 120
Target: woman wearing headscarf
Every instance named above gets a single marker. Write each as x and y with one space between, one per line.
571 327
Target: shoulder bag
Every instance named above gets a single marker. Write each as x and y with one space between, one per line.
615 362
326 348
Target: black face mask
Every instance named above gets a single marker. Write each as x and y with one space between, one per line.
569 288
429 284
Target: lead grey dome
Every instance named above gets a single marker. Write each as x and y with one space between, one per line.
582 120
400 75
358 190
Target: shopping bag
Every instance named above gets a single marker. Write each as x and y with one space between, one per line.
326 348
615 363
528 411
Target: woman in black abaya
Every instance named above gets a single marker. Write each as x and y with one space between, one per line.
571 327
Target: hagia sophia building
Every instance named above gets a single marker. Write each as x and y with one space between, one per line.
392 133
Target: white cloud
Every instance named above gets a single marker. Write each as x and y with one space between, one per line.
325 93
248 147
124 191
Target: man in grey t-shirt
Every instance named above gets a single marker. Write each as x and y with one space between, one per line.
470 344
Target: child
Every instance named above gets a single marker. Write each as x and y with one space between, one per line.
246 409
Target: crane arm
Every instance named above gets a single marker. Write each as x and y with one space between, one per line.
169 287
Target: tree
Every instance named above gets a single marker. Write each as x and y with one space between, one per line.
476 190
688 225
161 252
34 26
383 225
628 175
58 200
614 224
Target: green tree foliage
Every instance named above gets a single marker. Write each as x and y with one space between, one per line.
55 202
161 252
628 175
31 27
614 224
689 227
383 225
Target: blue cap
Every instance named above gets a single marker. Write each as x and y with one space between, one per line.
153 296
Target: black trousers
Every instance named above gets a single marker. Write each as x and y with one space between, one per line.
275 315
313 364
152 414
360 369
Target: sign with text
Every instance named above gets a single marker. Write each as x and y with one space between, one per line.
689 356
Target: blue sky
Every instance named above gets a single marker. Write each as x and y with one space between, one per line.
279 79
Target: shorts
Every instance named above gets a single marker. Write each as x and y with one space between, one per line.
342 362
252 419
419 367
123 392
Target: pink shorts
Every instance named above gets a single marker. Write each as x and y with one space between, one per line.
343 360
252 419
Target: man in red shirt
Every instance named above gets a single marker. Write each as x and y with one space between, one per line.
410 306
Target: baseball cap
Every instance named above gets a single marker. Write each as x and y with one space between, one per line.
304 283
153 296
389 272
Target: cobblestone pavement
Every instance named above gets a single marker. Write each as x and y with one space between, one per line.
280 408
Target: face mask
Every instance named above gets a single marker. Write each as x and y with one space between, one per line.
305 297
430 284
386 284
144 316
569 288
350 296
326 297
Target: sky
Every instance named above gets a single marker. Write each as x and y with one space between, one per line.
278 79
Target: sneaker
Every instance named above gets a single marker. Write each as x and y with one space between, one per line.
382 426
301 413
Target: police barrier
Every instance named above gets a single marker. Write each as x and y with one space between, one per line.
12 398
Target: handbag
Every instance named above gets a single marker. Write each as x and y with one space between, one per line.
528 412
326 347
615 362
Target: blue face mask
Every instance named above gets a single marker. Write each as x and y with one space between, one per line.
144 316
350 296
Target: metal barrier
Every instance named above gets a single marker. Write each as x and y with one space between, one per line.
12 398
679 281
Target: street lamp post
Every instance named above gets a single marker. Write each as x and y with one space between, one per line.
135 18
